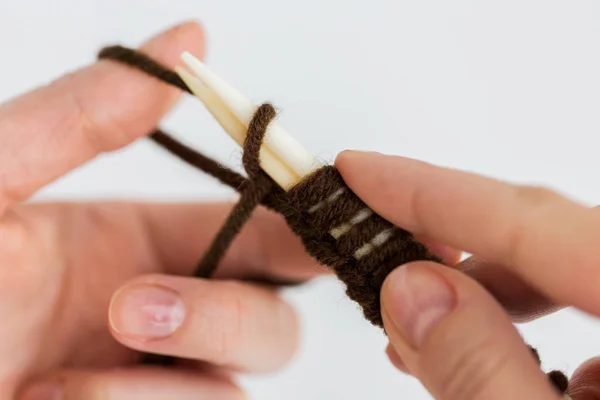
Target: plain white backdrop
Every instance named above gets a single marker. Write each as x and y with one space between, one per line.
509 89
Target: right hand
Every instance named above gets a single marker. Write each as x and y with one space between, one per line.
535 252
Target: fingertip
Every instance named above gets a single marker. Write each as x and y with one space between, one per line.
226 323
349 158
397 278
450 333
585 381
343 155
117 117
388 285
388 184
395 359
146 311
168 45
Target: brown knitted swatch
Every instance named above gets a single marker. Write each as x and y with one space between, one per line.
337 228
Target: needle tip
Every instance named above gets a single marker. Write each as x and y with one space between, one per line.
190 60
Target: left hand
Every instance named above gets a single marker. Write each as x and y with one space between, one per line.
66 269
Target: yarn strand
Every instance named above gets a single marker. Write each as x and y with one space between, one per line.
257 187
361 270
197 160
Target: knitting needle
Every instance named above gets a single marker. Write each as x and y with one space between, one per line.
278 171
284 146
217 96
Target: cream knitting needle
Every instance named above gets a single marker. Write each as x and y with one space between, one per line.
284 146
278 171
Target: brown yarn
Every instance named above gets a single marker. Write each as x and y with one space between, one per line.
559 381
253 191
335 226
557 378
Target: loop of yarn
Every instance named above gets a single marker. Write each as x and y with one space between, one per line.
253 192
336 228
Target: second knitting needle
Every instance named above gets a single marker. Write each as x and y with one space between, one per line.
278 171
277 140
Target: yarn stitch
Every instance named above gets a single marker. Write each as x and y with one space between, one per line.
335 226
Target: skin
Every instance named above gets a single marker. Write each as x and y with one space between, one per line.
63 264
534 253
65 268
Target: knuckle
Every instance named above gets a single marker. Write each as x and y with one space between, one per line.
533 197
80 118
466 374
84 120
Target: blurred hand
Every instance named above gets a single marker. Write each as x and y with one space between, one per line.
65 269
452 328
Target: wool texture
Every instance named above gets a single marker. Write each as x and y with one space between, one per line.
335 226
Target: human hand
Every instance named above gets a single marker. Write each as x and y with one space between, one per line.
452 328
64 267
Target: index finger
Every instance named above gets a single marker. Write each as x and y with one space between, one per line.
102 107
547 239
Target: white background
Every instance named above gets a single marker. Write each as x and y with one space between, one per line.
509 89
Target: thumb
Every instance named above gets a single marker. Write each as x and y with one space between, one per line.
453 336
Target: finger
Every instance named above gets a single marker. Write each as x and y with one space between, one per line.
131 384
265 248
519 299
529 230
449 255
395 359
99 108
585 382
225 323
456 339
172 238
130 239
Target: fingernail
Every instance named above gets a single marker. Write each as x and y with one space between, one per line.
362 152
49 390
417 300
367 152
146 312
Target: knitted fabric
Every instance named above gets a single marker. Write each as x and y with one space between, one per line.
335 226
